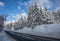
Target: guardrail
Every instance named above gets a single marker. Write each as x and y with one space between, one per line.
27 37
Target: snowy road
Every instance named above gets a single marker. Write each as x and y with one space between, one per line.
28 37
5 37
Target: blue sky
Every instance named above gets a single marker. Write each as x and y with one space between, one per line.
15 8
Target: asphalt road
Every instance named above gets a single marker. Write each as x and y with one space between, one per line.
26 37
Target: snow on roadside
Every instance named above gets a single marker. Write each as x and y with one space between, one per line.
52 30
5 37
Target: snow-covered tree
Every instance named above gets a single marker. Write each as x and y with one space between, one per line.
9 26
29 18
38 16
20 23
47 16
34 16
57 16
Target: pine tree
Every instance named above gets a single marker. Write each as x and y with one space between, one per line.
29 18
57 16
47 18
34 16
38 16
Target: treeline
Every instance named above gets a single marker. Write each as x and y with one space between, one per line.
36 16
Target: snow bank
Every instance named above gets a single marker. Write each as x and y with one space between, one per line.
52 30
5 37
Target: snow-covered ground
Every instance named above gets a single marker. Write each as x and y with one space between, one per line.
52 30
5 37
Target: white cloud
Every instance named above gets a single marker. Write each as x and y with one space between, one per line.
57 8
1 4
24 14
16 17
41 3
13 16
57 2
19 7
8 22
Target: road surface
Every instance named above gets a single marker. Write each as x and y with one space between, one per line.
29 37
5 37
